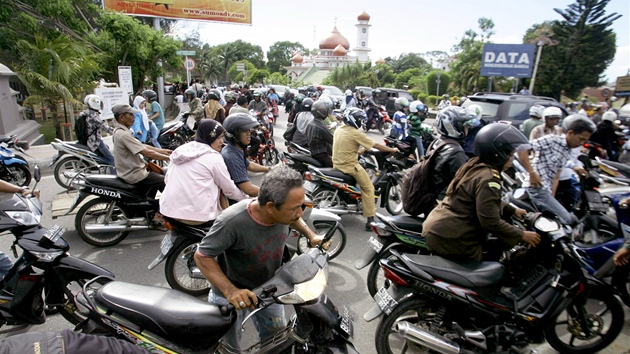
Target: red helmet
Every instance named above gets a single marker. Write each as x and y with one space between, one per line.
319 88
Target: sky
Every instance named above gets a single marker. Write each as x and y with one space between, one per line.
401 26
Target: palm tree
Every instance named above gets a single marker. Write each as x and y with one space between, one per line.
227 57
211 68
55 70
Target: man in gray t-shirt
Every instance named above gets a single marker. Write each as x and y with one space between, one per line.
248 239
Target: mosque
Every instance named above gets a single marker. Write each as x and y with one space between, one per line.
333 53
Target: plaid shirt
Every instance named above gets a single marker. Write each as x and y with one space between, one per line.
94 126
551 153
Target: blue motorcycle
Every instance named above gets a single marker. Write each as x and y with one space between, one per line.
13 169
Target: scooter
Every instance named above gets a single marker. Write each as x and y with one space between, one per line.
167 321
80 162
119 208
44 276
176 134
12 168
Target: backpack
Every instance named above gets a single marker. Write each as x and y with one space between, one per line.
81 127
419 192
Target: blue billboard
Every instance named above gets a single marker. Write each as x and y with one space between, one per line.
507 60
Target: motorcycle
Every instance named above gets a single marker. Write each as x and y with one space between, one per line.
263 118
380 120
118 209
13 169
180 244
45 276
166 321
82 161
175 133
267 154
537 293
272 110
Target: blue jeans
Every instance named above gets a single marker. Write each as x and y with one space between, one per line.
420 147
267 321
544 201
107 155
5 264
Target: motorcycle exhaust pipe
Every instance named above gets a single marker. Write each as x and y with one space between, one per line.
427 339
338 211
114 228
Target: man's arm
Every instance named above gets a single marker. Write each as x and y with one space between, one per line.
534 178
381 147
6 187
154 155
254 167
248 188
212 271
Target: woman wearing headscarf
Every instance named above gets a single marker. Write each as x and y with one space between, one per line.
197 177
142 125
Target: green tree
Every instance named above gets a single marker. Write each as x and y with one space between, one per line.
403 78
55 71
406 61
445 81
279 55
258 76
211 68
278 79
586 47
466 68
384 74
237 76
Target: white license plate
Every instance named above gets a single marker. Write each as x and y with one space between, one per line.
385 301
375 244
309 186
347 323
166 244
54 233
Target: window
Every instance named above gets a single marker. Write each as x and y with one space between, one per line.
362 44
517 108
364 30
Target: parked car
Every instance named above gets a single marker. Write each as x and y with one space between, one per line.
366 90
280 89
509 106
388 95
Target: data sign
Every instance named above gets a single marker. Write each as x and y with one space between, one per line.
515 60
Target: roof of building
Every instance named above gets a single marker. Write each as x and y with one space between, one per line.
339 51
363 16
297 58
335 39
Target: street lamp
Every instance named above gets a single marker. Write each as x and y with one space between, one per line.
531 83
437 94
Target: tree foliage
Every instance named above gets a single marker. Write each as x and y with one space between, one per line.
466 68
586 47
407 61
280 53
403 79
445 81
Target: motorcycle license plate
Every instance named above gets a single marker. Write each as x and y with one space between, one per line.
54 233
375 244
309 186
167 244
347 323
385 301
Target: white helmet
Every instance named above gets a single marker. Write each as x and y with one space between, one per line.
348 93
536 111
93 102
475 109
610 116
554 112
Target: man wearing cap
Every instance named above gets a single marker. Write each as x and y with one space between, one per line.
129 153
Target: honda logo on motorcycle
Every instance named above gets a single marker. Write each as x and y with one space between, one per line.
106 192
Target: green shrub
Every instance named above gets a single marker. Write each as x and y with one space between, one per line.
415 93
423 97
431 99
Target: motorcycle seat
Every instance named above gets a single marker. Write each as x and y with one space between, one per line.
470 274
305 159
110 181
521 199
625 169
165 312
406 222
335 173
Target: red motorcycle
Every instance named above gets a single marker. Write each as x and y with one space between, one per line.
380 120
272 112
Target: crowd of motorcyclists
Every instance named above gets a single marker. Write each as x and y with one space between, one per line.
207 184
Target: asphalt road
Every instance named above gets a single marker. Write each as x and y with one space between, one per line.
129 261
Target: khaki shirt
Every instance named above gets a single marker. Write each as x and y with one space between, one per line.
130 164
346 143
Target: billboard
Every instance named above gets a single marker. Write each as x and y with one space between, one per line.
111 96
507 60
623 86
233 11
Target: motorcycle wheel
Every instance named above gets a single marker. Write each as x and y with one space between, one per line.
394 204
376 277
269 157
621 282
325 198
415 310
178 267
19 175
385 128
604 315
372 173
73 286
69 164
338 241
94 212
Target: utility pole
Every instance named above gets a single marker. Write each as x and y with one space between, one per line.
437 94
160 79
531 83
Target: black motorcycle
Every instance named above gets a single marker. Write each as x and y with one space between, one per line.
44 277
119 208
165 321
535 294
176 134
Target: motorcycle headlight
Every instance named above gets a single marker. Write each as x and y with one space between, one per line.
306 291
23 217
46 256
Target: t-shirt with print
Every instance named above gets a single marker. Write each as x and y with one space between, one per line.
130 165
249 251
159 120
346 142
236 162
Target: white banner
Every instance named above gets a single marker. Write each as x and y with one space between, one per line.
125 80
111 96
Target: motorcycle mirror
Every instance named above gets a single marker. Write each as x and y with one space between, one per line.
586 161
37 174
329 235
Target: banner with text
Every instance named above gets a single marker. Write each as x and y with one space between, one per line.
111 97
234 11
507 60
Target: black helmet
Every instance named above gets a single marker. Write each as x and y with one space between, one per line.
214 94
190 92
451 120
307 104
354 117
149 95
321 109
495 143
238 122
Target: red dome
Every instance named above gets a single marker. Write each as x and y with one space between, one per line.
297 58
363 17
339 50
334 40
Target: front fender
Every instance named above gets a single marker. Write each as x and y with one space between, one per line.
396 292
14 161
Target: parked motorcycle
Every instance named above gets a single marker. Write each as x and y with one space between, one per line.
80 162
44 276
537 293
13 169
175 133
166 321
118 209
